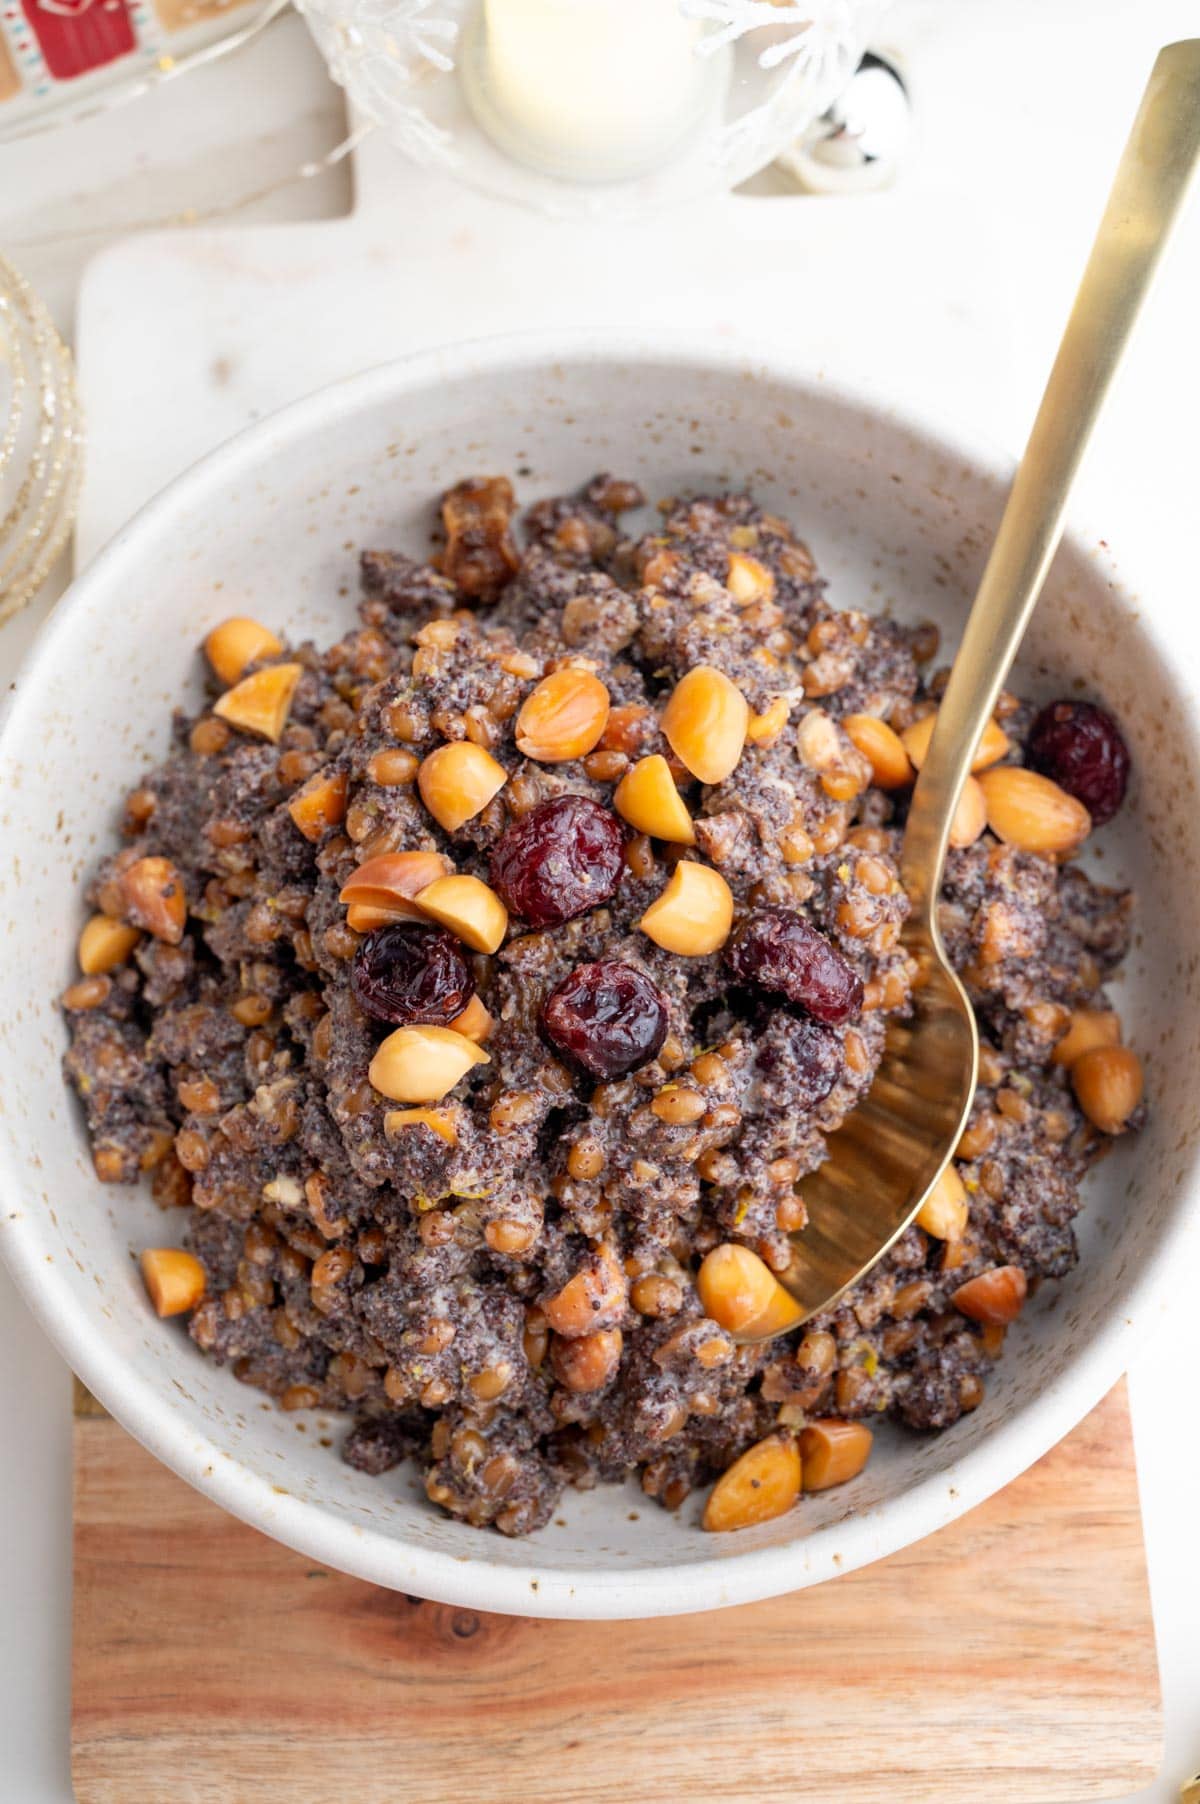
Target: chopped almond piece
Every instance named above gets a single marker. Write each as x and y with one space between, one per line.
763 1484
174 1279
321 804
741 1294
475 1022
694 914
237 642
995 1297
469 909
385 888
832 1452
648 799
260 702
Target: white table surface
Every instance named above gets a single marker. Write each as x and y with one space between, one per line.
1022 108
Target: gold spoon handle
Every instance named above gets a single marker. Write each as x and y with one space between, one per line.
1152 178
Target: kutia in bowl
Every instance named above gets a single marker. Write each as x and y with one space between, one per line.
619 929
495 1155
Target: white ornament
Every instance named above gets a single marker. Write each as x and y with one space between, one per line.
408 31
824 27
377 50
822 54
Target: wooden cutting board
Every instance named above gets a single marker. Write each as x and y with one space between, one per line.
1008 1658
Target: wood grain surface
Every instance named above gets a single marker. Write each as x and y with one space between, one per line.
1010 1657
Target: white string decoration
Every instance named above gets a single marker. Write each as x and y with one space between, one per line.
378 55
409 31
821 54
825 26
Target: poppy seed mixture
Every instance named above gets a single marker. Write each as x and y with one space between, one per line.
476 993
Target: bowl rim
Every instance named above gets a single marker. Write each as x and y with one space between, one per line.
529 1589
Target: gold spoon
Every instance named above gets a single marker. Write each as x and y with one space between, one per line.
891 1151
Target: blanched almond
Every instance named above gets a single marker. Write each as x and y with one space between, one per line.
364 917
995 1297
831 1452
762 1484
475 1022
469 909
563 718
993 742
423 1064
694 914
1108 1085
104 944
945 1210
647 798
458 781
970 816
883 749
237 642
260 702
705 723
174 1279
1088 1028
741 1293
321 804
1030 812
388 886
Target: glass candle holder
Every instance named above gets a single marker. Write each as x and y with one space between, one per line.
41 442
593 108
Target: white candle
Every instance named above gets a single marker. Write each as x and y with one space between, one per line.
593 90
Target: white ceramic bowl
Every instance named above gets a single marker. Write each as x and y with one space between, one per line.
899 514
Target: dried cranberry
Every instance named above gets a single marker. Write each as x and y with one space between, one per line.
562 858
409 973
1081 748
777 950
606 1018
800 1059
